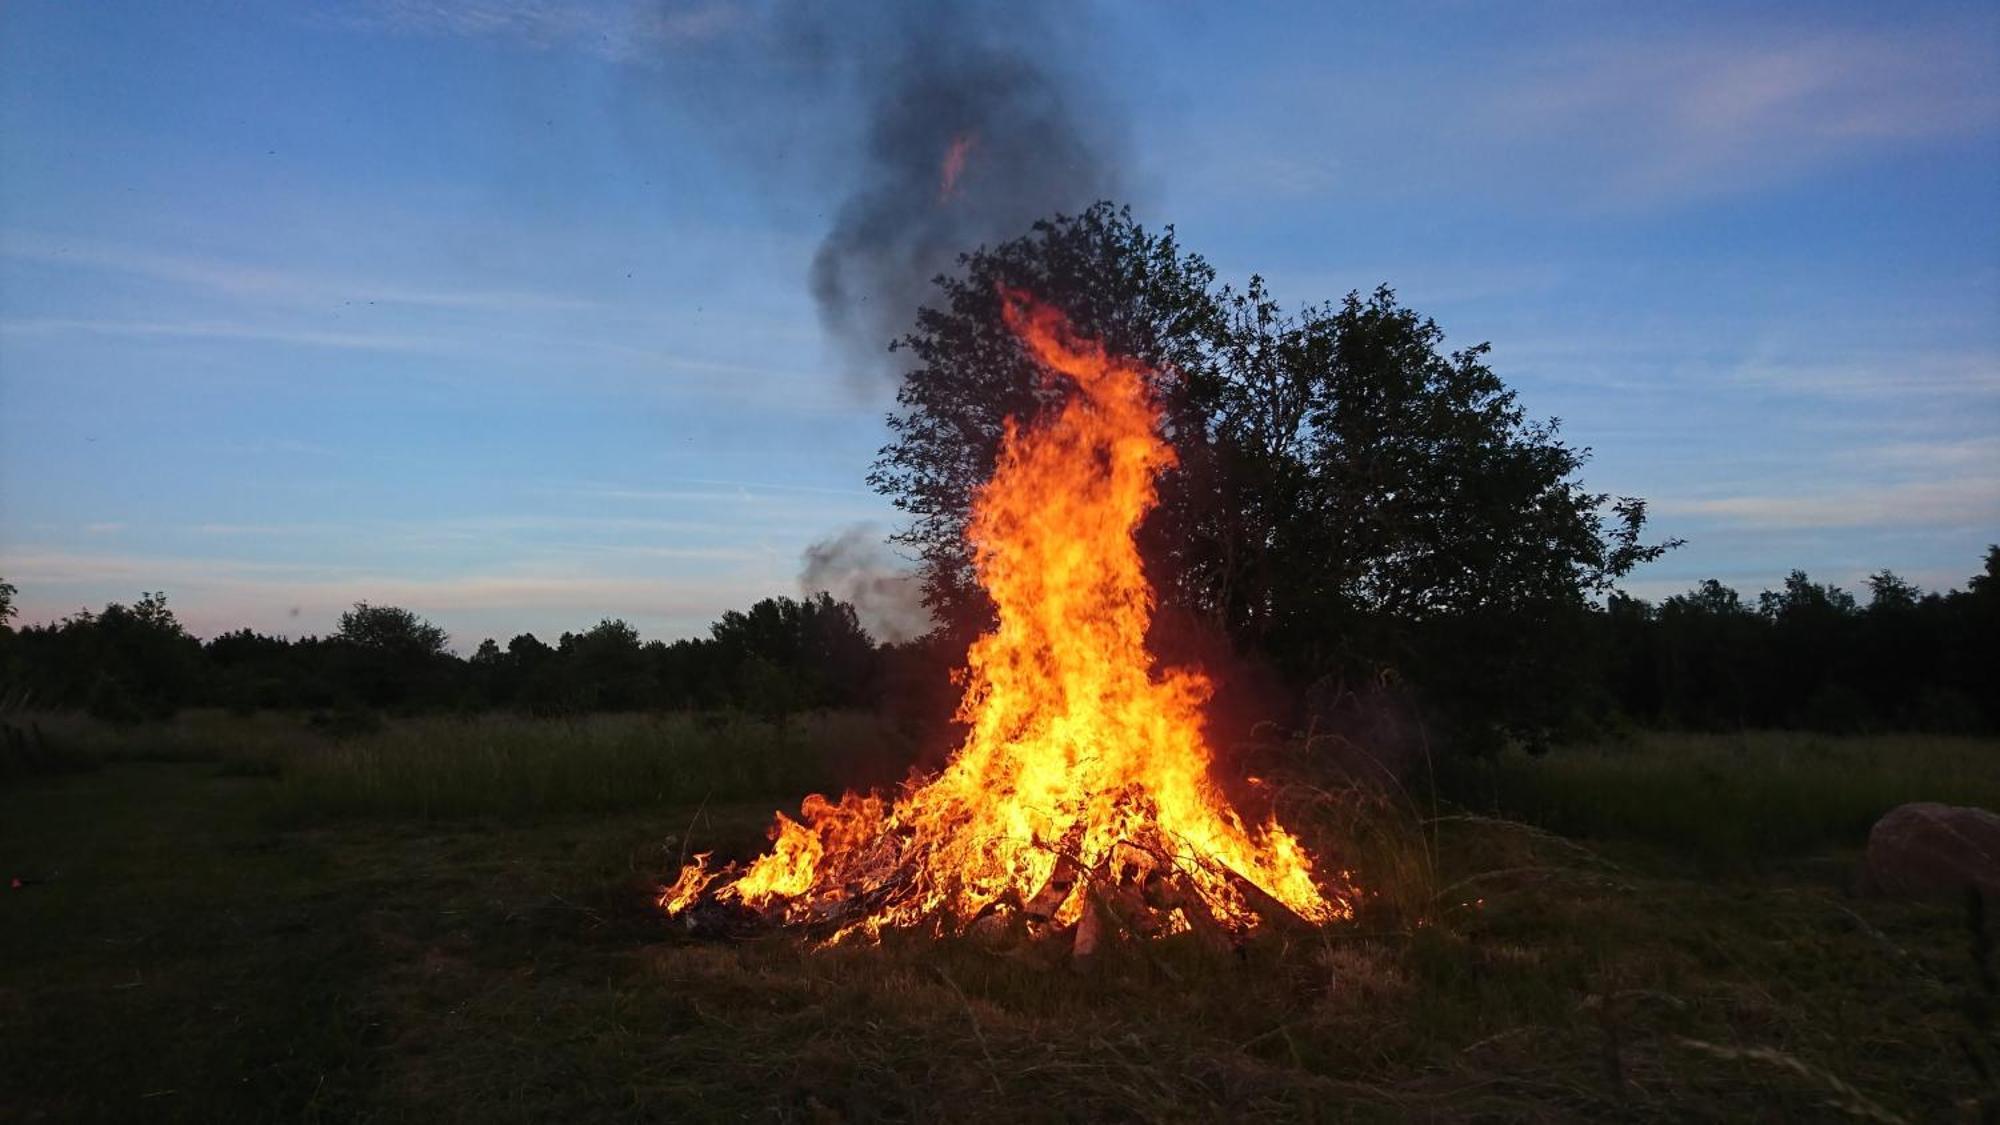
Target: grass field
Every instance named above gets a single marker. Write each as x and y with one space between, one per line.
236 918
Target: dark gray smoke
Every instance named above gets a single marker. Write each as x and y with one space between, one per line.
856 566
848 110
863 105
990 83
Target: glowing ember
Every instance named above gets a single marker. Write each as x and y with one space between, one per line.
1082 788
954 164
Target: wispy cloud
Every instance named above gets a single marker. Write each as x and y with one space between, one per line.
1609 120
533 540
1722 112
213 595
30 565
622 32
521 330
705 532
578 357
1697 357
268 284
1958 374
1971 502
225 330
1979 456
706 489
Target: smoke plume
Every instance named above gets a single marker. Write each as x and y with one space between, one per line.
973 127
922 130
857 567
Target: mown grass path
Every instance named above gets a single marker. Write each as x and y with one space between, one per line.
172 957
167 958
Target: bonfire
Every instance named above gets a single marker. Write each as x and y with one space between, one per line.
1081 800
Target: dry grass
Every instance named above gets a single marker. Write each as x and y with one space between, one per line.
184 955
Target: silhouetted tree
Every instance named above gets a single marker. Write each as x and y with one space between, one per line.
1895 656
9 672
1969 632
606 669
392 656
390 629
249 671
1348 496
126 663
530 677
685 674
784 654
1809 621
1806 654
1710 663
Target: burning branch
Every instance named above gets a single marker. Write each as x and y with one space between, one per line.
1080 801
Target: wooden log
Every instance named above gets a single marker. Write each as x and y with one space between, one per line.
1042 906
1089 934
1267 909
998 922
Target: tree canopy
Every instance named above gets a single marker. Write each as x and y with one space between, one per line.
1350 498
390 629
1805 655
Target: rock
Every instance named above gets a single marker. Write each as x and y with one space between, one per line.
1930 850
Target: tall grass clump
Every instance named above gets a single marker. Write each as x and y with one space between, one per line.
1733 799
64 742
523 767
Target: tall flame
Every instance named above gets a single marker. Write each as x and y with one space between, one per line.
1083 772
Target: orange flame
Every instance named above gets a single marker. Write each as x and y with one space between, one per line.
1082 771
954 164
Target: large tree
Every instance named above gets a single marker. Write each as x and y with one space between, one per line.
390 656
1349 497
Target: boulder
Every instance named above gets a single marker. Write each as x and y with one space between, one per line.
1930 850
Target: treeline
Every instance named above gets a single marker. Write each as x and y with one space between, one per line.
1805 656
1811 656
132 662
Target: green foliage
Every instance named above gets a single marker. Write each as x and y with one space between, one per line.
1809 655
391 631
606 667
1806 656
1348 497
386 656
788 655
10 675
127 663
780 656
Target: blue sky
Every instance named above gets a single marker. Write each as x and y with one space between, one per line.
485 310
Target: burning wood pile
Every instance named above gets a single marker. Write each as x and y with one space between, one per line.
1080 803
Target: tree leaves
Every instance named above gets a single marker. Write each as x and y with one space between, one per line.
1342 478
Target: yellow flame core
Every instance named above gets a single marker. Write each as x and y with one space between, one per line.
1078 755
